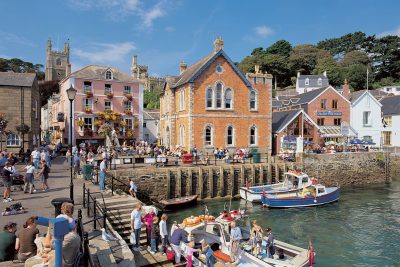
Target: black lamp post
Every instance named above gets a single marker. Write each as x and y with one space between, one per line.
71 92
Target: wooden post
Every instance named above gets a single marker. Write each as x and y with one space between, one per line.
242 176
189 183
221 190
261 174
285 167
253 175
178 190
168 174
276 173
269 173
200 189
210 183
232 189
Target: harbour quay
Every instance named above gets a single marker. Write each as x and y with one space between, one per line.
343 169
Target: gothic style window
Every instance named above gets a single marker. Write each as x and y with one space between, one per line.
13 140
253 100
208 136
218 96
253 135
229 136
108 75
228 98
182 135
58 62
182 99
209 97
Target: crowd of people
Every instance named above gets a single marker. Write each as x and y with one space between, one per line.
34 249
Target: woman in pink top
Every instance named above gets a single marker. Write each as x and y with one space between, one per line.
148 221
189 256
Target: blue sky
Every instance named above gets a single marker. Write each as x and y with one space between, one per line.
164 32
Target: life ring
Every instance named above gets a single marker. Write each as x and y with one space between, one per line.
314 181
234 213
227 217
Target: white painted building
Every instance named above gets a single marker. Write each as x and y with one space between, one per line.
151 124
365 116
391 120
391 89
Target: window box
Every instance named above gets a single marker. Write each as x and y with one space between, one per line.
128 112
88 110
89 94
109 95
129 97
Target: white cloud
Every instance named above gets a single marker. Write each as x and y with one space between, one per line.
106 53
263 31
119 9
395 32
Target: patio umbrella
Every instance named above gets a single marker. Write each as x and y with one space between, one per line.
356 141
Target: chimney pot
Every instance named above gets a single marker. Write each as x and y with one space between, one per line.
182 67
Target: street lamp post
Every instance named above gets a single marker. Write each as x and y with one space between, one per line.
71 92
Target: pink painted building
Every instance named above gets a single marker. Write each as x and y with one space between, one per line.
105 95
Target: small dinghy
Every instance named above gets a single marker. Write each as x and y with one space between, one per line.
179 202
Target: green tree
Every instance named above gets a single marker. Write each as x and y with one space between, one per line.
357 76
47 89
248 63
338 47
276 65
304 58
281 47
387 57
355 57
151 99
332 68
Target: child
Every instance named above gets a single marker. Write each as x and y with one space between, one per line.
189 255
132 188
163 233
155 231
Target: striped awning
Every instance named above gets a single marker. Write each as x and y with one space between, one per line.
336 131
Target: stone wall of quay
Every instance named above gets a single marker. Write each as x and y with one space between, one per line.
344 169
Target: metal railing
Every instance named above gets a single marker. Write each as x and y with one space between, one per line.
116 183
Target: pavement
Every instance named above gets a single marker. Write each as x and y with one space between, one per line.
39 203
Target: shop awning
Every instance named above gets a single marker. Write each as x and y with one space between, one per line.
336 131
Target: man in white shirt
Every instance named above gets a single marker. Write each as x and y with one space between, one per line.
35 157
136 225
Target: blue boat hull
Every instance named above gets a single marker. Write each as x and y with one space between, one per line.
292 202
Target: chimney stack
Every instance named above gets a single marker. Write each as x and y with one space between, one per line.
325 74
182 67
346 89
218 44
298 74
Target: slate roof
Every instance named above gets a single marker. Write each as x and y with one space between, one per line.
151 114
17 79
276 103
192 72
307 97
375 93
281 118
391 105
98 72
313 81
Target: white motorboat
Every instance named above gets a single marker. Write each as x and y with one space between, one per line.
293 181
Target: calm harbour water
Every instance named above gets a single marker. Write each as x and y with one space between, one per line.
362 229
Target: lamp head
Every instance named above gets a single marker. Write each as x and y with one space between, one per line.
71 92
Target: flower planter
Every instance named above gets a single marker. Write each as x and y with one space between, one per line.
110 95
89 94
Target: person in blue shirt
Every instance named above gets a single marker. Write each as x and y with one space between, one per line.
236 236
176 237
103 170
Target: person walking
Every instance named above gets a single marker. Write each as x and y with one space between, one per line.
25 240
68 155
7 181
136 225
29 177
132 188
103 171
44 175
77 164
35 157
163 233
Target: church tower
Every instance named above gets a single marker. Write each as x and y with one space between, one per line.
57 63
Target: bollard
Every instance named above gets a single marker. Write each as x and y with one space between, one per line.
104 218
85 249
88 202
79 226
94 213
83 200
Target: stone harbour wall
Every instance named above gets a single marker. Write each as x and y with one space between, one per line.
344 169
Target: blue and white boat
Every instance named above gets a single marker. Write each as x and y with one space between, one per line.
313 195
293 182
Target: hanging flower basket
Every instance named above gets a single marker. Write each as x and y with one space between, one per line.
89 94
109 95
129 97
128 112
88 110
136 124
22 128
98 123
123 124
81 123
130 133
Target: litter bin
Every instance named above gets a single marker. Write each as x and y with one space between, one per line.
87 171
256 156
57 202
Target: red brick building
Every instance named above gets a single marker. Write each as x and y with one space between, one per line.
211 104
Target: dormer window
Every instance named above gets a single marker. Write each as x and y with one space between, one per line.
307 82
319 81
108 75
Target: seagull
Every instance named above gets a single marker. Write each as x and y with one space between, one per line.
105 236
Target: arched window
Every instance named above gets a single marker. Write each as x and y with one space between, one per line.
58 61
307 81
208 136
218 95
319 81
182 99
108 75
182 135
13 140
253 135
253 100
209 97
229 136
228 98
